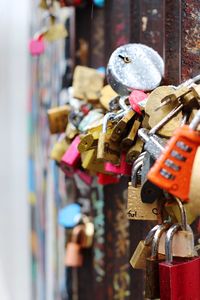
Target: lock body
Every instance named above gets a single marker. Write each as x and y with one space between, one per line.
73 256
36 47
58 118
170 171
72 155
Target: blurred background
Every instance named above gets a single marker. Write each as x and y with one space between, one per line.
32 190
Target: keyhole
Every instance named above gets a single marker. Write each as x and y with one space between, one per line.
126 59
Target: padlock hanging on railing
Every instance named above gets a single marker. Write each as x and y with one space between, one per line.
171 170
179 277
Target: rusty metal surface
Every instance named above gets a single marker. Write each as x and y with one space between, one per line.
172 41
190 59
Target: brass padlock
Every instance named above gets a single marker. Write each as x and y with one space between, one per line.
90 162
89 232
59 149
107 94
143 250
108 150
134 151
90 140
87 83
136 209
56 31
128 141
119 129
58 118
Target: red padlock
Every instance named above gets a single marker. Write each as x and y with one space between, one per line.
137 98
72 155
36 46
179 279
84 176
107 179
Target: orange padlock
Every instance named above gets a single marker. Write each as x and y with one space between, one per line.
172 170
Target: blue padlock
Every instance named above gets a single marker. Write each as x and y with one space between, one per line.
99 3
70 215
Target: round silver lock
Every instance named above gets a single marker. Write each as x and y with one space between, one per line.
134 66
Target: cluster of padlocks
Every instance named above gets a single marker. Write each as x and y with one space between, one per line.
135 126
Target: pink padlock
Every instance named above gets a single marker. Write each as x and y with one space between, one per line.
122 169
84 176
36 46
104 179
72 155
137 98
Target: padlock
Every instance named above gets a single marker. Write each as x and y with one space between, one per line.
59 149
55 31
194 194
87 83
152 288
89 232
119 129
90 140
179 278
70 216
72 156
136 209
170 171
183 240
93 116
105 179
128 141
84 176
73 256
134 151
137 99
143 250
107 150
134 66
36 46
58 118
107 94
123 169
71 131
90 162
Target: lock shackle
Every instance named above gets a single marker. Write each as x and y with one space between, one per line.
155 242
150 235
136 166
183 214
168 241
106 118
134 173
122 103
196 121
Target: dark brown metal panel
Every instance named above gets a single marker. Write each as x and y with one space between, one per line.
117 242
117 25
148 23
190 59
173 41
97 38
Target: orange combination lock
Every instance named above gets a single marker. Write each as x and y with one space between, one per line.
172 170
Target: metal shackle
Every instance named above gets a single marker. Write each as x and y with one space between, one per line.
150 235
156 239
168 241
196 121
136 166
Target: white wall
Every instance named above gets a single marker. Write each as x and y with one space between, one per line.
14 211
